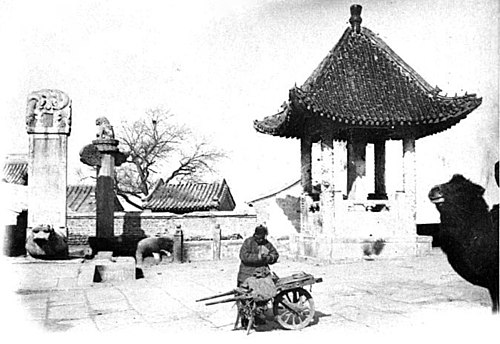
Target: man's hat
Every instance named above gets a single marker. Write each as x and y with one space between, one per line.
261 230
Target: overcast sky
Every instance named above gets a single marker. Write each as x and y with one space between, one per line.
219 65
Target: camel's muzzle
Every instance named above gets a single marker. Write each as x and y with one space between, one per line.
436 196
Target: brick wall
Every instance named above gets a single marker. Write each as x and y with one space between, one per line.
230 249
143 224
202 250
130 227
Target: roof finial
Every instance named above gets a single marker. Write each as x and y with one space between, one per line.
355 19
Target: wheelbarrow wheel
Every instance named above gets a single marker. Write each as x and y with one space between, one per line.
294 308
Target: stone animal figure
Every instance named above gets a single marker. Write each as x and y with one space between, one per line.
44 242
154 246
468 233
104 129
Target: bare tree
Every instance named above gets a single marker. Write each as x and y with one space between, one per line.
157 144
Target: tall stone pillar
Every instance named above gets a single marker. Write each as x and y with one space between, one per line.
107 146
105 186
48 122
410 184
103 154
356 169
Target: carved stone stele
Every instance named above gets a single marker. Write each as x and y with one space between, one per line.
48 111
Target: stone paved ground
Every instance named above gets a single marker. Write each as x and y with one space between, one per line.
417 297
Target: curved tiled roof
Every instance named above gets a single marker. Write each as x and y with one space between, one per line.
81 199
362 86
190 197
15 173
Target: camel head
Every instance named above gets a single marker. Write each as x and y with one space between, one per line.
458 195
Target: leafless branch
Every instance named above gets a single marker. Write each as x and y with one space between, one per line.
156 141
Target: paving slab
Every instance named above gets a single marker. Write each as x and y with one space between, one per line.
355 298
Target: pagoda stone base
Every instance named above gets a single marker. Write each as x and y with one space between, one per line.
325 248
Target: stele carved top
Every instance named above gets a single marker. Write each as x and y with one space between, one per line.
48 111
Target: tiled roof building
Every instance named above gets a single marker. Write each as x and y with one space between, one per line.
361 94
189 197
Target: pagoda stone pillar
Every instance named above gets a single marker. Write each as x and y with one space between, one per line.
327 184
306 163
48 122
327 198
305 181
380 190
410 185
356 169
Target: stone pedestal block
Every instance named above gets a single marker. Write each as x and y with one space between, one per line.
105 268
327 249
121 269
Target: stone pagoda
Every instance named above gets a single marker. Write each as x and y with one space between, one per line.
361 94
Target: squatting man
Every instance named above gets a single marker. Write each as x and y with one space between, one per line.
256 254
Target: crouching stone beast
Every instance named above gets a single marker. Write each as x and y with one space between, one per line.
44 242
154 247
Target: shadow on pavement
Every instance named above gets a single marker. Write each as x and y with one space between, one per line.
56 326
139 273
272 325
316 317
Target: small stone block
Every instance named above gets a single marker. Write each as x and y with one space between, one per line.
122 269
86 274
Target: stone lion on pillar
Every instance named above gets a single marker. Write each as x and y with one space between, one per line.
104 129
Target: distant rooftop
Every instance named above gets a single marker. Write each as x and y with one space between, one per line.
190 197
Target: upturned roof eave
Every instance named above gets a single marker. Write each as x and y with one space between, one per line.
430 127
